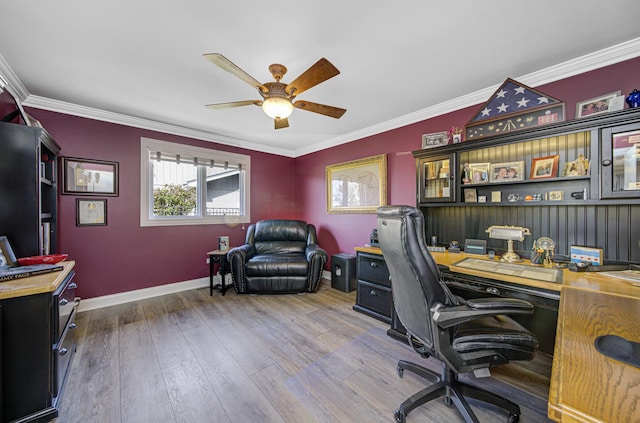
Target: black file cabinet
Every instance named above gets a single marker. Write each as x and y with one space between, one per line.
373 296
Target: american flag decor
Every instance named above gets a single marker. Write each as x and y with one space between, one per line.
513 107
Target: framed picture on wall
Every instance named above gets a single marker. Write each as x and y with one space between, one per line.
89 177
358 186
91 212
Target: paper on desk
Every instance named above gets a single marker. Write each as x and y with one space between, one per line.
632 276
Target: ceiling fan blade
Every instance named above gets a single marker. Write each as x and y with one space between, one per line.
281 123
334 112
319 72
233 104
226 64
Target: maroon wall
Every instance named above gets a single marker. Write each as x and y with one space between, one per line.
123 256
343 232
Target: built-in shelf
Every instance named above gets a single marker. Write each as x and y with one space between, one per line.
605 219
528 181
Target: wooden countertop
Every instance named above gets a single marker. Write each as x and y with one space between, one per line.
592 281
39 284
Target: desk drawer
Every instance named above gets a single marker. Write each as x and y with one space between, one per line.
65 304
372 268
63 351
375 298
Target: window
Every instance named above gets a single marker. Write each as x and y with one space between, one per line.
185 185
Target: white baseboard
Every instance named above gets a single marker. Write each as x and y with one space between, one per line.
141 294
326 274
155 291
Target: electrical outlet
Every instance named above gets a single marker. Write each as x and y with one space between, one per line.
207 262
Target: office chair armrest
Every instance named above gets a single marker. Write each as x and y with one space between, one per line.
499 303
445 317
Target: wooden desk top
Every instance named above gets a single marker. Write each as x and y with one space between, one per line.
39 284
592 281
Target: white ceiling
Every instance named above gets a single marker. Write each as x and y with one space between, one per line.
139 62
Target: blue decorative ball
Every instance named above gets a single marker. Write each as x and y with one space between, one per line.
633 99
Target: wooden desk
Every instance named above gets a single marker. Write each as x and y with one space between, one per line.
37 339
586 386
47 282
472 283
583 280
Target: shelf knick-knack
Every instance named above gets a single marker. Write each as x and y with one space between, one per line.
633 99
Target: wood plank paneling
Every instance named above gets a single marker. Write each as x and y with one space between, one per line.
611 227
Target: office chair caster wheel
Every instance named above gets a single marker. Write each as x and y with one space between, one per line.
400 416
400 371
514 418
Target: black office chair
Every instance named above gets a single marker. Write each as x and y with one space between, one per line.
465 336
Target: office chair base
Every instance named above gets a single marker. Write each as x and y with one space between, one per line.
431 376
454 392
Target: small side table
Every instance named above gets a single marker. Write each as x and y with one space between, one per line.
220 257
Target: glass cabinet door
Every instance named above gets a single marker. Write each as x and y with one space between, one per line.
435 179
621 162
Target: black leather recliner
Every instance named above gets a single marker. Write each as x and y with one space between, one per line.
464 336
279 256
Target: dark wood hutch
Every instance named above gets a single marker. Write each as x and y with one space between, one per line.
605 215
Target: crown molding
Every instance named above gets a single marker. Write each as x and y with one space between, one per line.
601 58
13 83
136 122
608 56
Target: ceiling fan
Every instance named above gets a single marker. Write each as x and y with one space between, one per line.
277 97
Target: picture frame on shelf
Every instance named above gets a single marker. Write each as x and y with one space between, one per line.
475 173
598 105
435 139
470 195
91 212
367 176
506 171
555 195
544 167
577 167
89 177
7 256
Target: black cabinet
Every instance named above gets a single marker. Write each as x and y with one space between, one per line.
373 290
38 343
28 189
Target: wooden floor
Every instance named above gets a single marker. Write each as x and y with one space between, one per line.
189 357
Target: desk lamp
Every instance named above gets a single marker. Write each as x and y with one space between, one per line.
510 233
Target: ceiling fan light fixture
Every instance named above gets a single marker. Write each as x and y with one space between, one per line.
277 107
